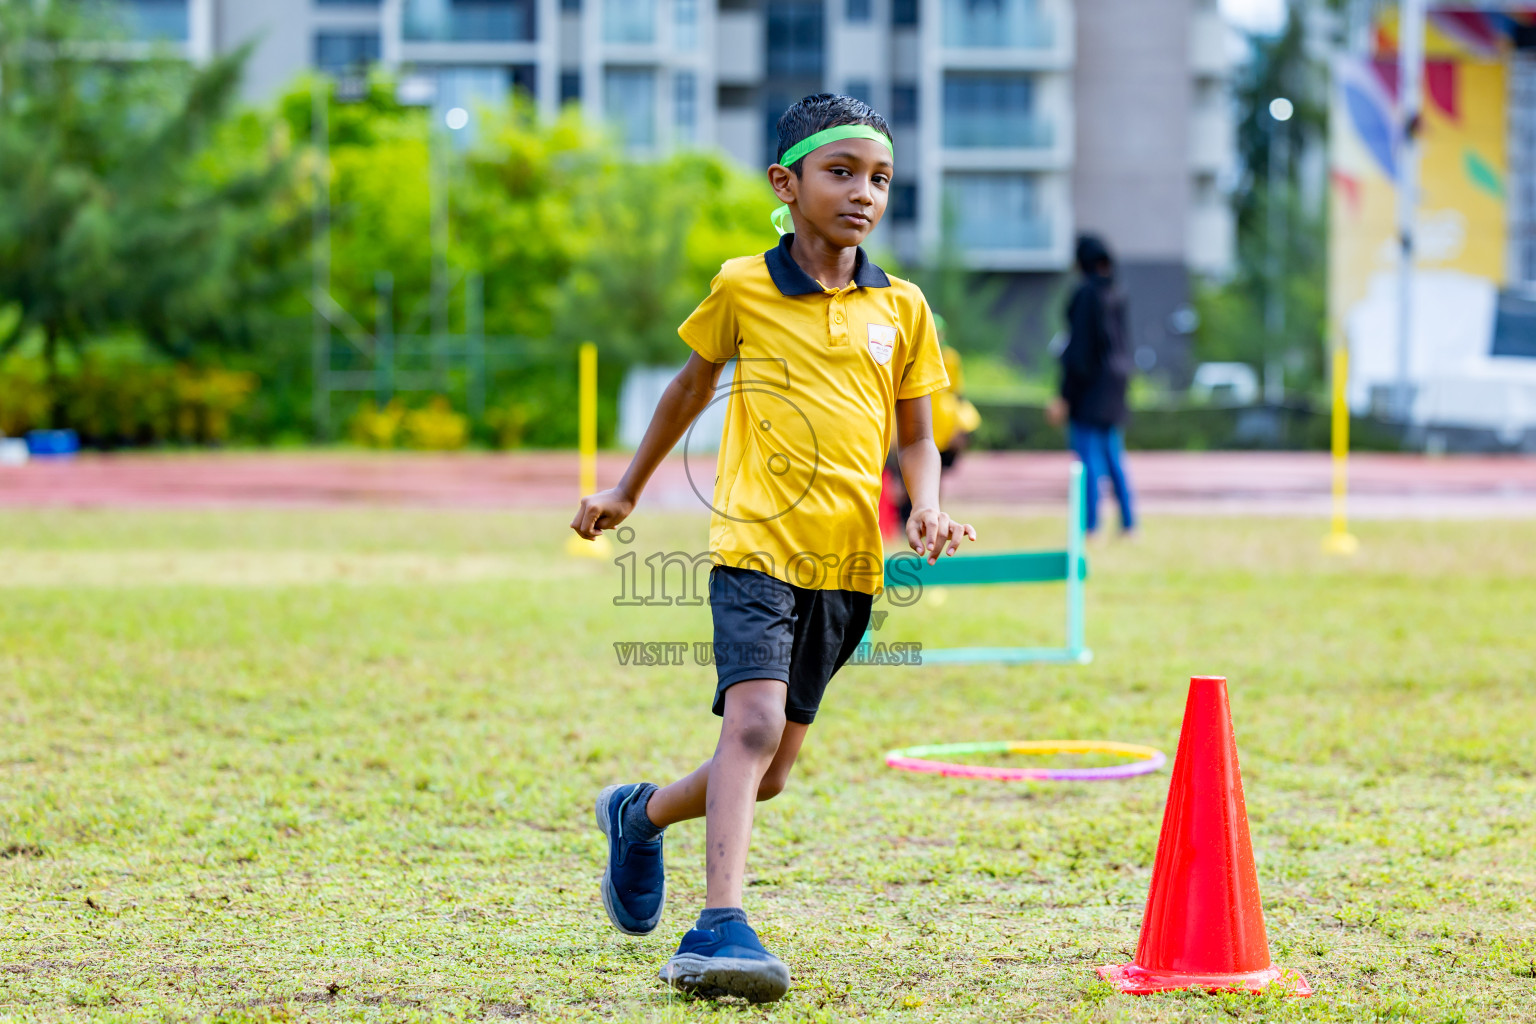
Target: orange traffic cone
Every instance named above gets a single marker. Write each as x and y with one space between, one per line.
1204 926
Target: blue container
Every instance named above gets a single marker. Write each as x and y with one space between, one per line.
56 444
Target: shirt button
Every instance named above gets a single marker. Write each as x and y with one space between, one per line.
837 318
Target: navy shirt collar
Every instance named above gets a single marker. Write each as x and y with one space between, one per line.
792 280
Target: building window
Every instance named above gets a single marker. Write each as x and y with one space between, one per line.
795 30
996 23
991 110
903 206
337 52
629 21
685 24
859 10
525 79
904 104
470 21
860 89
995 211
159 20
1514 327
904 13
685 105
570 87
629 102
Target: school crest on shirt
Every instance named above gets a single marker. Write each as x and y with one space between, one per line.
882 342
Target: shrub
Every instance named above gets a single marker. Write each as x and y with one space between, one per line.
436 427
24 397
509 424
433 427
114 402
205 401
375 427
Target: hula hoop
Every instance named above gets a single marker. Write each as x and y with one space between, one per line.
917 759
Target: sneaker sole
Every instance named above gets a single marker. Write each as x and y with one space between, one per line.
607 887
757 981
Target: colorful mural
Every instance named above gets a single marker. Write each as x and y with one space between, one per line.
1461 228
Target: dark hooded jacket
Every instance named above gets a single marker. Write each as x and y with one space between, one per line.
1096 364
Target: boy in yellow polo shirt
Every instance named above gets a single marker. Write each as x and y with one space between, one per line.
832 357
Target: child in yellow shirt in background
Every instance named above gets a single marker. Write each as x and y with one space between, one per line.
954 421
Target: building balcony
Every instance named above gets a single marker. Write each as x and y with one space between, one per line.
470 21
1001 235
998 219
990 120
996 24
630 22
1013 131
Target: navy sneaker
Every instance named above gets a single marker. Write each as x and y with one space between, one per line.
635 879
727 961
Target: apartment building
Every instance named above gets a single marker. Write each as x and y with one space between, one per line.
1022 121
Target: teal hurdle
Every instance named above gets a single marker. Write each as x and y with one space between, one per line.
908 570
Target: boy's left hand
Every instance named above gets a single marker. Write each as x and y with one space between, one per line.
929 530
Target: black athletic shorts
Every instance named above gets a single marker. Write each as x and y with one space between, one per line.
768 629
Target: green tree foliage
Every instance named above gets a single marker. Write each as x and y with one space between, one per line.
975 321
573 241
651 238
143 216
1233 323
130 199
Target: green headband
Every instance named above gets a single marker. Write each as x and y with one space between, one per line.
833 134
782 221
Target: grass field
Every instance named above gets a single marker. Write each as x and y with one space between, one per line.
339 765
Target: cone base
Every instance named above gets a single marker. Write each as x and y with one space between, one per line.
1140 981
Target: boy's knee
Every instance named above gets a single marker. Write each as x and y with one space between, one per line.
760 733
756 725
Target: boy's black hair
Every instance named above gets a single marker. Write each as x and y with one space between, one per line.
818 113
1092 253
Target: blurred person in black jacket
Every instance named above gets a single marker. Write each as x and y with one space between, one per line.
1095 370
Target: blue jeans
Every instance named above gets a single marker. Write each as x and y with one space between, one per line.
1102 453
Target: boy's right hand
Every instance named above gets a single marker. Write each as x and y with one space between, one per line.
602 511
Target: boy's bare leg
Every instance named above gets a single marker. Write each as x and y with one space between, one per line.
684 799
750 736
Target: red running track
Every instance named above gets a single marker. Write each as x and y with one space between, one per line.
1259 483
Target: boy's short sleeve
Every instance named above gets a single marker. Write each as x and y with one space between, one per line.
924 373
711 330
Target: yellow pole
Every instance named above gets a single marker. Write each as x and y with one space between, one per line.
586 441
1339 540
587 435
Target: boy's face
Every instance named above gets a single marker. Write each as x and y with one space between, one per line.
841 192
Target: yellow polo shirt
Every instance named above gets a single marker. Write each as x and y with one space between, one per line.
811 413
